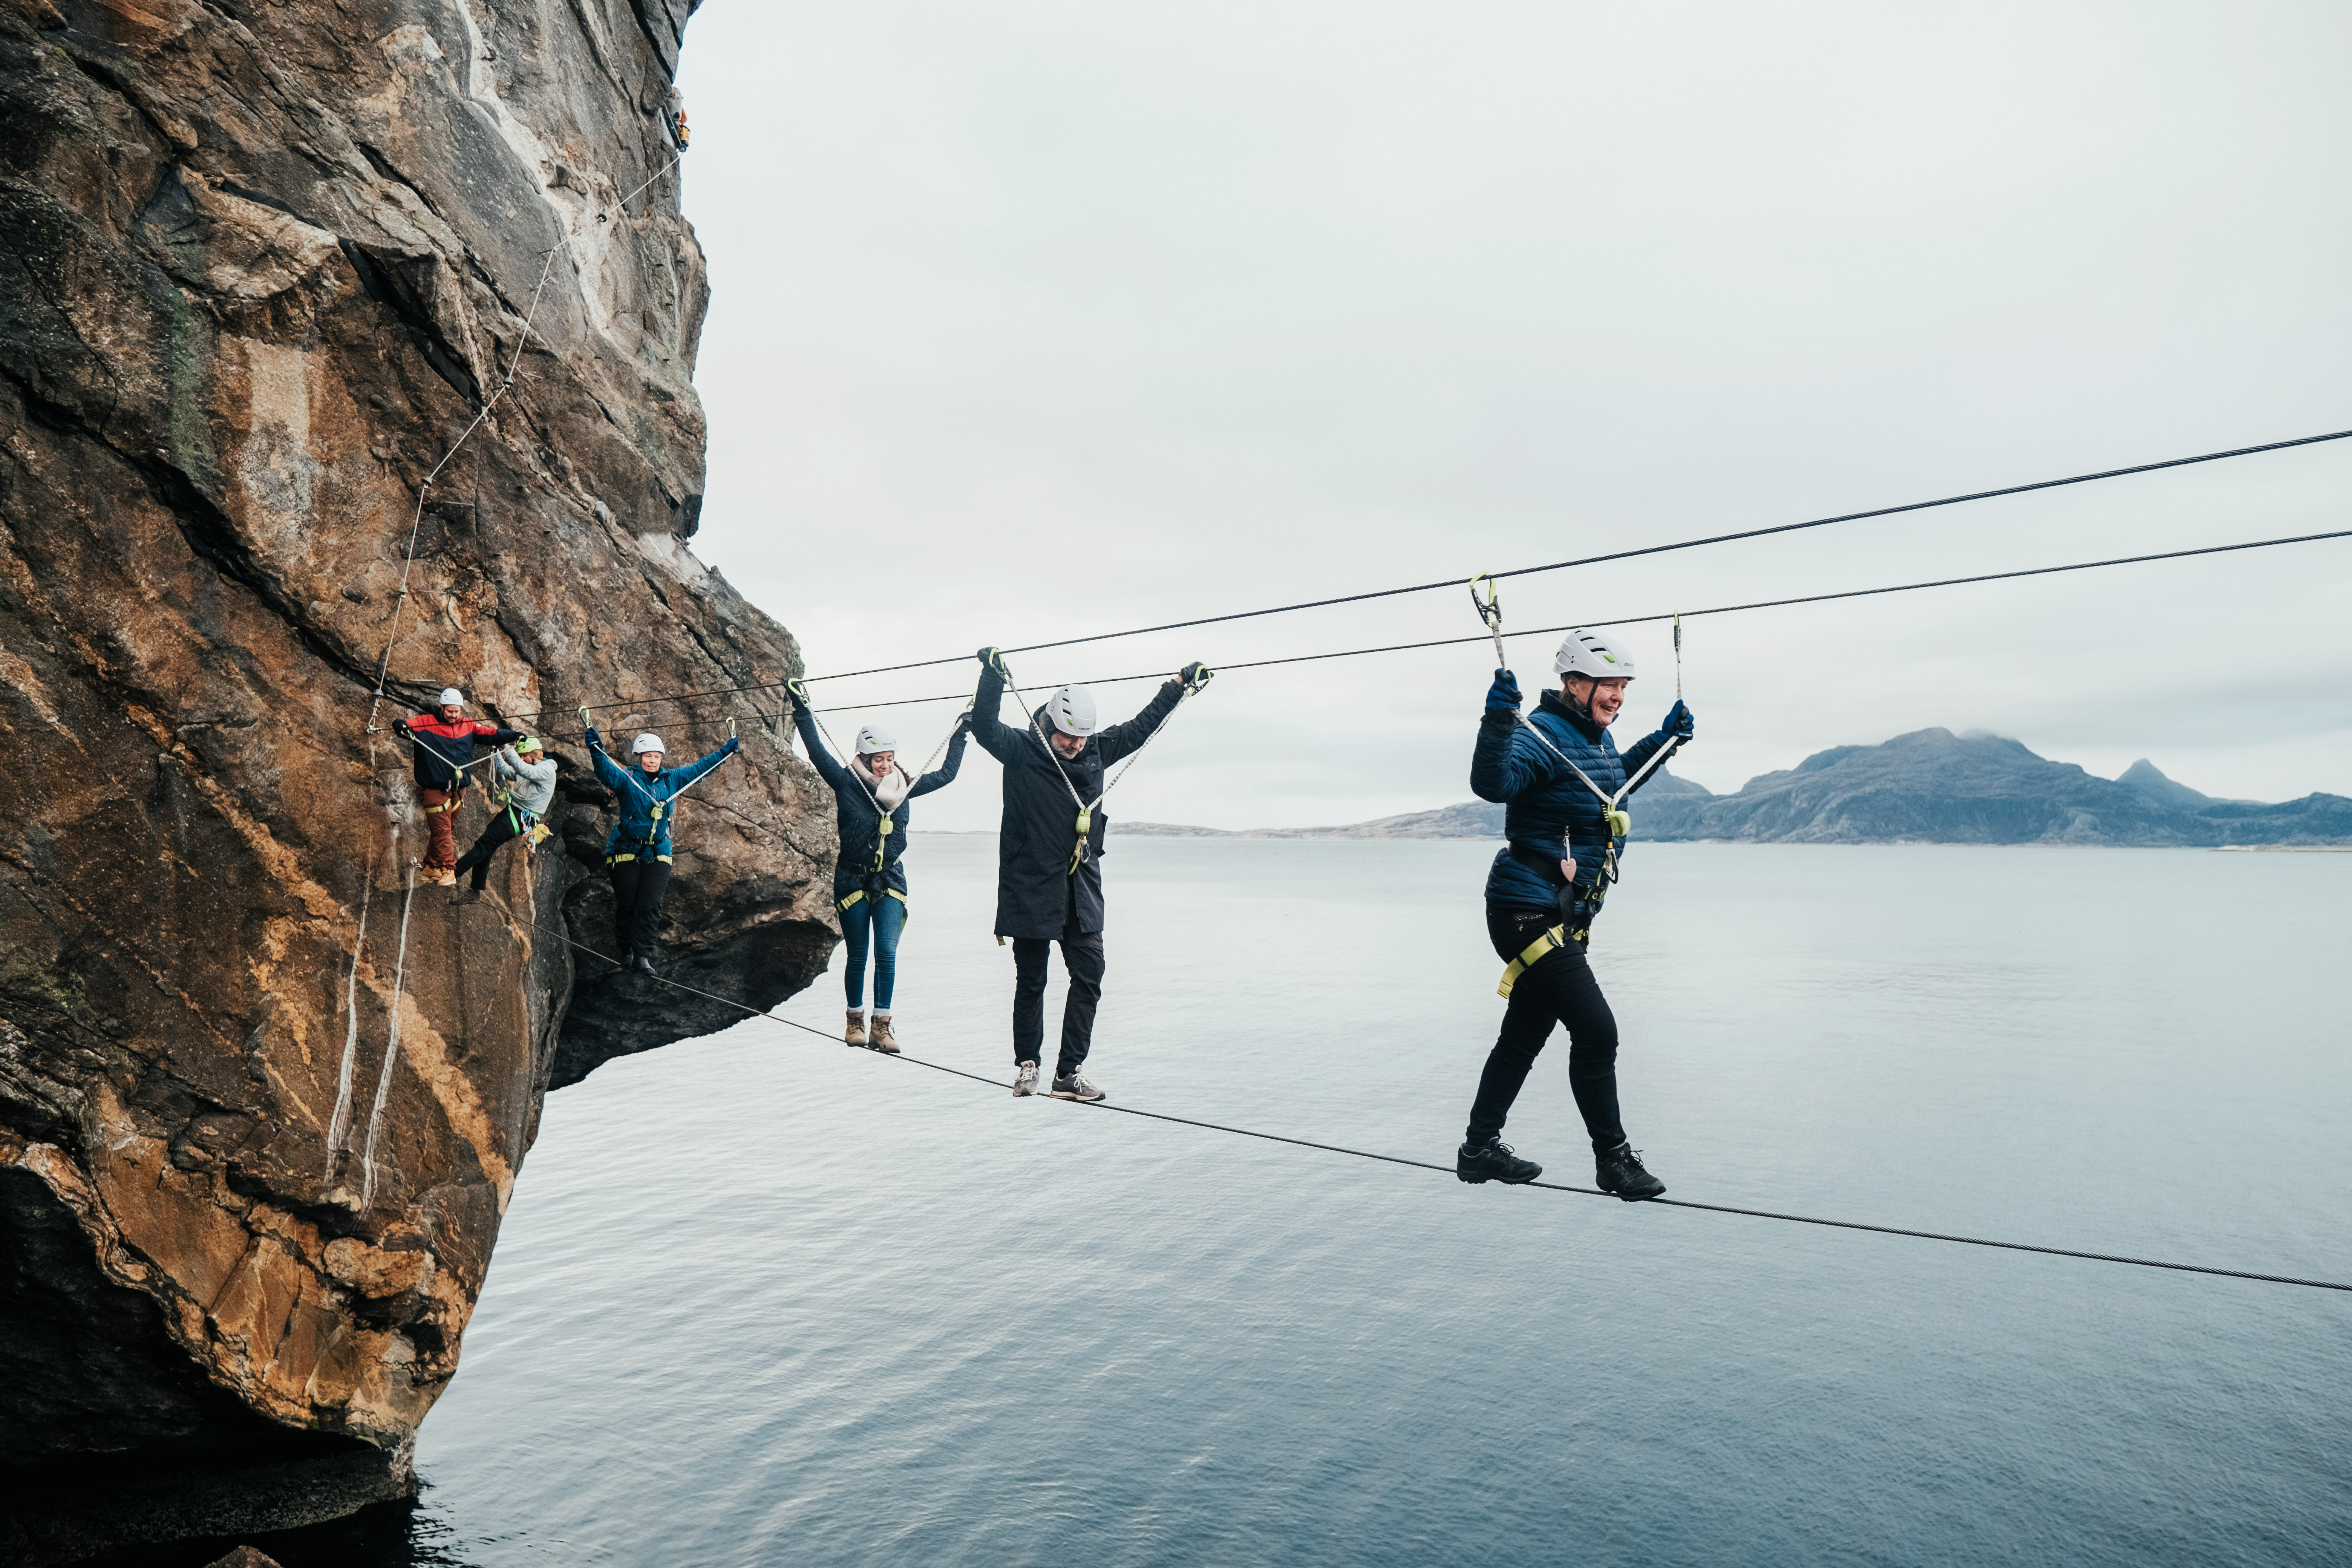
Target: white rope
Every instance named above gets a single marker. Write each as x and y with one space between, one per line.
416 522
391 1049
339 1125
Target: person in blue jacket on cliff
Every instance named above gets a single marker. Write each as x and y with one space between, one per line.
869 884
637 856
1560 778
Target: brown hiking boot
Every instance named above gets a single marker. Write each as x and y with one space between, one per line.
856 1033
883 1039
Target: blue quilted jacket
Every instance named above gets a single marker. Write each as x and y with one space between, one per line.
1551 814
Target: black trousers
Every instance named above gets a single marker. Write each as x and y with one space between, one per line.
1082 955
1559 989
503 827
637 890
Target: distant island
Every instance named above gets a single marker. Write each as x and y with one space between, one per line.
1930 787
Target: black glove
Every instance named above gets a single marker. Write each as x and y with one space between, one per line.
1503 697
1195 675
1678 722
400 726
796 691
963 721
993 658
595 740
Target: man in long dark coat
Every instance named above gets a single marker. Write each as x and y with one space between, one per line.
1049 885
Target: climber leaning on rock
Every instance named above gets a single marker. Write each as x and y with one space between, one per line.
523 779
637 856
444 740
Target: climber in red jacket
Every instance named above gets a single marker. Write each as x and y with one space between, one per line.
445 740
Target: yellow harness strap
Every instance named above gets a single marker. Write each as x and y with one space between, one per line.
850 900
1558 936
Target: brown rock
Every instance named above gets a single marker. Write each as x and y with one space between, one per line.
243 1557
265 264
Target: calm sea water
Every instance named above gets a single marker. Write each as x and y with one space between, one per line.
764 1300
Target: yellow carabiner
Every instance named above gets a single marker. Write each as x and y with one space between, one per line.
1620 824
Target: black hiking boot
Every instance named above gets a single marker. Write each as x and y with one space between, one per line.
1619 1171
1493 1161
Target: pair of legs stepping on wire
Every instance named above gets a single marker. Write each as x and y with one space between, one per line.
1556 989
872 923
1082 955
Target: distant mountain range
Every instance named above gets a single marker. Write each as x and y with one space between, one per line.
1930 787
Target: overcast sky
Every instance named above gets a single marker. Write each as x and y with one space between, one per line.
1031 320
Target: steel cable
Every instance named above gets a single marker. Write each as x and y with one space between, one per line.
566 938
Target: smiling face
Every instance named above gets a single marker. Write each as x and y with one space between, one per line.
879 764
451 713
649 761
1602 699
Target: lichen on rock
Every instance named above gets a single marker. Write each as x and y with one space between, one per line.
263 264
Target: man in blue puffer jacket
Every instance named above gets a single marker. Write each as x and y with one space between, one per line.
637 856
1561 779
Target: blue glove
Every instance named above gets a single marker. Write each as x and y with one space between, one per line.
594 739
1678 722
733 745
1503 697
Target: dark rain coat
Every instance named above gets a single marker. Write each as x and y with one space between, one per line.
1036 884
1549 815
444 753
868 862
647 801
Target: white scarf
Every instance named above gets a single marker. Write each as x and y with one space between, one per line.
890 788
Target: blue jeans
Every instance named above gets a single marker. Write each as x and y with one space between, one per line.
881 920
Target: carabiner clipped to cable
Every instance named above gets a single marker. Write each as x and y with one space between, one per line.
1679 656
1490 610
731 727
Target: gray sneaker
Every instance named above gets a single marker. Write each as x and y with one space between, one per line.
1077 1085
1024 1080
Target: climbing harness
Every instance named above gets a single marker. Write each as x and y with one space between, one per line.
1085 819
1618 822
1557 937
678 133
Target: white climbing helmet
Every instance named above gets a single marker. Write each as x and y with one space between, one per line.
648 741
452 698
873 739
1590 655
1072 709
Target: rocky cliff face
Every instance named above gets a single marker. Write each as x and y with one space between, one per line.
261 1107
